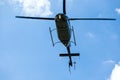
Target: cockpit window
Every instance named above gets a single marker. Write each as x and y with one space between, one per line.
61 17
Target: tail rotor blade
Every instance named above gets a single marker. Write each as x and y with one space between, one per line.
64 6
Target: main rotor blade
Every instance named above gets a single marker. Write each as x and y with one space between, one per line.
26 17
64 6
92 19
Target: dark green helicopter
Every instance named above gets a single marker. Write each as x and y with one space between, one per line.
64 30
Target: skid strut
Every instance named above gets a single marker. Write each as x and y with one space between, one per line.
51 36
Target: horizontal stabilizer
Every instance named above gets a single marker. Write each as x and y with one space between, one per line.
65 55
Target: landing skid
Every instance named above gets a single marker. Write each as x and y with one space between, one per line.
54 43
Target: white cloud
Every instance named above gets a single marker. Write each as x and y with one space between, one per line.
90 35
34 7
109 62
115 75
117 10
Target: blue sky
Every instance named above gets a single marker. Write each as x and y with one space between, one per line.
26 51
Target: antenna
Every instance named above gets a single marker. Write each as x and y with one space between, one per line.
74 65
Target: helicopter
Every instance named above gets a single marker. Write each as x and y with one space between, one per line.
64 30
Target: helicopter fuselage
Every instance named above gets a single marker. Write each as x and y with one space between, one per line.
64 32
63 28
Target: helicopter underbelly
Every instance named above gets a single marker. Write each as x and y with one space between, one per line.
63 32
